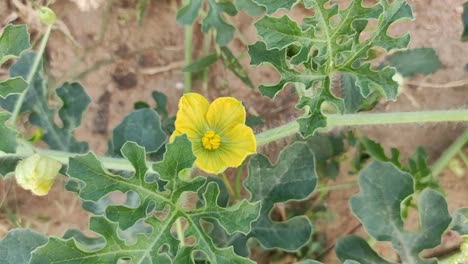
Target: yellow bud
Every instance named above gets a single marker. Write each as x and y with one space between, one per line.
37 173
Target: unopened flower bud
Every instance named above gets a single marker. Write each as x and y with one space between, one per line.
47 15
37 173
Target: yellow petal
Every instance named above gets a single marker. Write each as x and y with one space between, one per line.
190 118
236 144
213 162
224 114
239 142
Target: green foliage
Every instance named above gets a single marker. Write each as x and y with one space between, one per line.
274 5
12 86
151 237
378 206
313 53
75 102
201 64
250 7
327 150
417 165
8 142
213 19
356 248
142 126
415 61
232 63
18 244
141 8
289 179
465 22
353 99
460 221
13 41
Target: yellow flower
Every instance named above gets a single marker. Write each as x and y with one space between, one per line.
219 136
37 173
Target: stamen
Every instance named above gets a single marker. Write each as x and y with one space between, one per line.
211 140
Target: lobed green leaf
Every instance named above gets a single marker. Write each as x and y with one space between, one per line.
132 231
384 188
142 126
12 86
465 22
356 249
289 179
460 221
315 52
13 42
75 103
415 61
8 141
17 245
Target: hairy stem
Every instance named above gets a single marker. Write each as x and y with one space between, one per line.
449 154
228 184
292 128
32 72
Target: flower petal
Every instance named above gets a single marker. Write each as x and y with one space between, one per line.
236 144
225 113
190 118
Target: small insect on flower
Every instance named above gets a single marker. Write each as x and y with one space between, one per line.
37 173
219 136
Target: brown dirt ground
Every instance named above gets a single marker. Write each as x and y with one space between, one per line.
123 55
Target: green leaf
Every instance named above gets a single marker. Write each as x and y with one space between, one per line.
460 221
142 126
356 249
8 165
289 179
202 63
147 238
250 7
214 19
13 41
327 150
274 5
12 86
465 22
378 206
141 8
415 61
312 53
354 101
75 103
8 142
188 14
17 245
230 61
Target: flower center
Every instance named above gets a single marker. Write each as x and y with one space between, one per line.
211 140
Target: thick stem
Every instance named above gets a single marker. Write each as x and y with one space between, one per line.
449 154
32 72
292 128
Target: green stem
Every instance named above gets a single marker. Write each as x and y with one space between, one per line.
31 74
360 119
188 58
206 51
228 184
337 187
239 180
180 232
293 128
449 154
